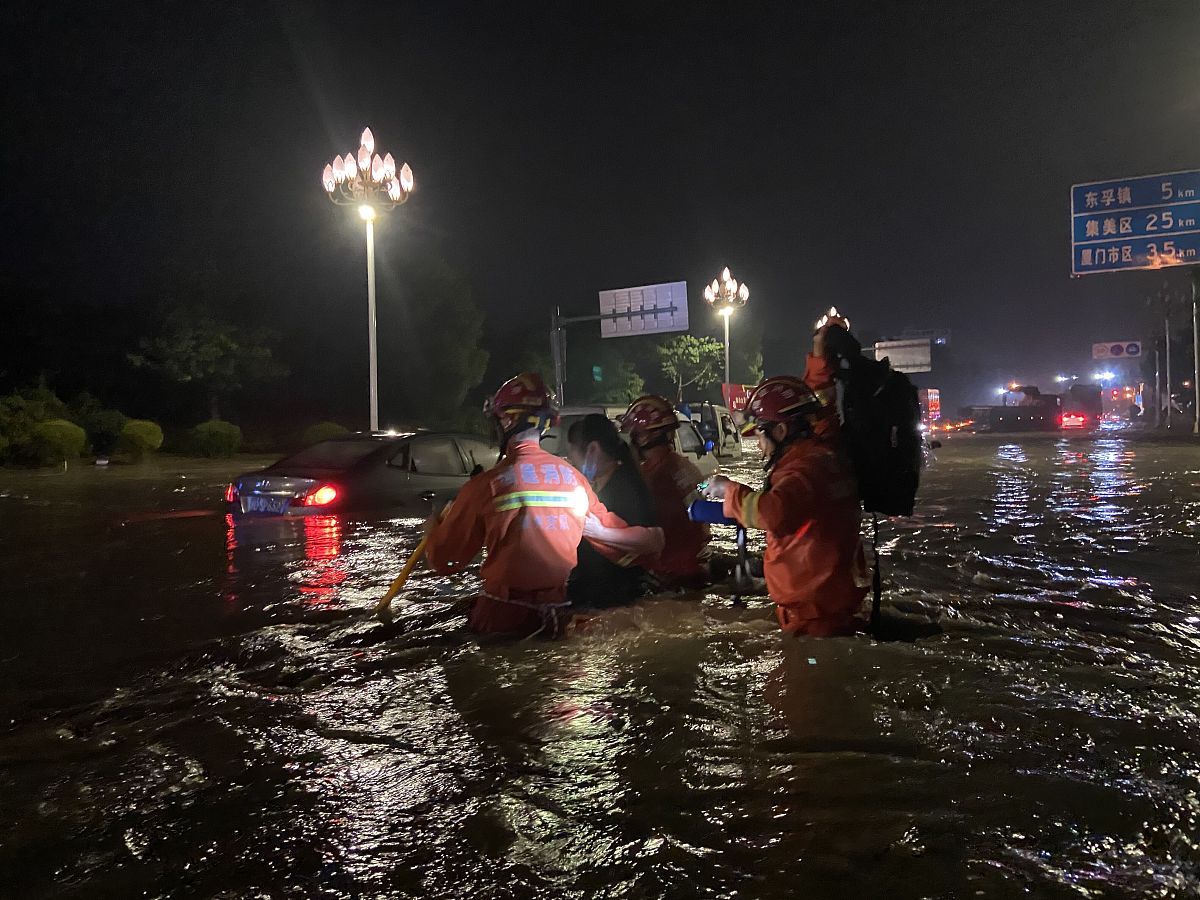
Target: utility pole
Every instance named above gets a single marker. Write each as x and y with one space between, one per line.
1195 355
1167 332
558 347
1157 387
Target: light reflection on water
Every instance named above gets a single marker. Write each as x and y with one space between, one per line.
256 733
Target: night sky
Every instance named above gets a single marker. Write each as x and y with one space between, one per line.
909 162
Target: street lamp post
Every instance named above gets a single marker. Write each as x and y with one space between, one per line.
725 296
374 185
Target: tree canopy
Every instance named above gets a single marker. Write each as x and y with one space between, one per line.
195 347
686 360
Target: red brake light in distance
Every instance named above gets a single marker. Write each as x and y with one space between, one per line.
230 493
322 496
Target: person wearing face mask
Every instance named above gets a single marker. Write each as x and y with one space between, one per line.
530 512
602 577
809 507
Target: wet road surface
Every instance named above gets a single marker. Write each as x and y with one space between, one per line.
194 708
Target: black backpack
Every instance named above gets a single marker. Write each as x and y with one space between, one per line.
881 419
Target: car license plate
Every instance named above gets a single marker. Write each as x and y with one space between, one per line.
260 504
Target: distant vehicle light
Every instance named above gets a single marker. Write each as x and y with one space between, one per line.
231 494
1073 420
322 496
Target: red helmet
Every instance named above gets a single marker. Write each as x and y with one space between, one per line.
647 415
781 398
524 393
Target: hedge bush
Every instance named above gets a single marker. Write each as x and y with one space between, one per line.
20 413
216 438
323 431
139 437
56 441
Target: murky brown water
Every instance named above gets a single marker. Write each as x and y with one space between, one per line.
193 709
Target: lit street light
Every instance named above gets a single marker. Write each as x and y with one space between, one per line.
374 185
725 296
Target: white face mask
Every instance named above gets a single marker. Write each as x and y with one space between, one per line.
591 463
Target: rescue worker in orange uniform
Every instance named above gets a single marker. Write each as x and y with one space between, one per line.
814 564
650 423
530 512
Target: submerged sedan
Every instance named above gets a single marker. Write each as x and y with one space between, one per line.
363 473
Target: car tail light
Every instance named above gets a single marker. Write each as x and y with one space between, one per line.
322 496
1072 420
231 493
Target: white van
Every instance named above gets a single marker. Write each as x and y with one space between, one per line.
688 441
715 423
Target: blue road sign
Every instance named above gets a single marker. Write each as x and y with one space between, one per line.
1150 222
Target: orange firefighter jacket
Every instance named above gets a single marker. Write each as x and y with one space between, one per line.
528 512
672 481
814 562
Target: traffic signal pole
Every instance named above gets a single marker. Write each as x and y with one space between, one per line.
558 341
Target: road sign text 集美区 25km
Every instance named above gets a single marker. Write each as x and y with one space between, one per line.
1148 222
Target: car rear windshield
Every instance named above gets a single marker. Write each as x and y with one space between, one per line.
329 455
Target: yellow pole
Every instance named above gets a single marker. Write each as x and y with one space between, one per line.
383 607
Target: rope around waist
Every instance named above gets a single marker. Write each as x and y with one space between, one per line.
549 612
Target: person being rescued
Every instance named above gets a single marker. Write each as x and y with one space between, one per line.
672 479
595 448
809 507
529 512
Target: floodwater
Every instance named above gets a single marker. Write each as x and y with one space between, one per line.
193 708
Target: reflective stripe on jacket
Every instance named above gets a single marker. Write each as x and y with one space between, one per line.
528 512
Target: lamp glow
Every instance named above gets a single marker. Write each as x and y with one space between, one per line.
366 212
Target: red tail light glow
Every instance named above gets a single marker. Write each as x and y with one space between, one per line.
231 493
1073 420
322 496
